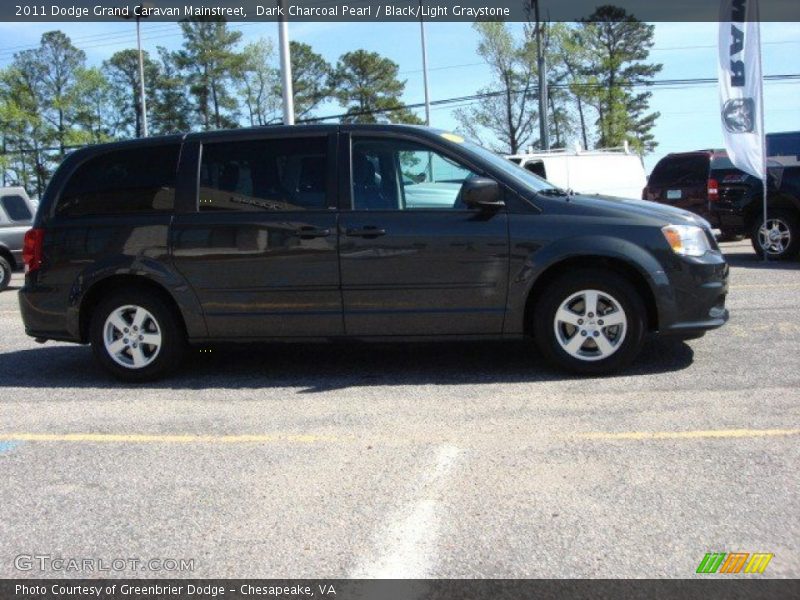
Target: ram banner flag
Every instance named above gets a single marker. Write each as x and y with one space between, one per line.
740 85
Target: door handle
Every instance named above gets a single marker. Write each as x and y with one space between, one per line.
309 233
368 231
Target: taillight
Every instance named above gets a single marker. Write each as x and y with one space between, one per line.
32 249
713 190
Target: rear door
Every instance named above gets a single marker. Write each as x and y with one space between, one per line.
257 241
414 260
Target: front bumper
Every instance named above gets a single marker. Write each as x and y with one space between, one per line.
699 288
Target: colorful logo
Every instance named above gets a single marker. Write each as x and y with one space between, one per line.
734 562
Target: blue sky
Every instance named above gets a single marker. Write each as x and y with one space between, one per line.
688 116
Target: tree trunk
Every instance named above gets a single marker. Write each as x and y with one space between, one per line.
216 105
583 122
555 120
137 108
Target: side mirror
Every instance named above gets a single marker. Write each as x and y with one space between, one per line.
482 193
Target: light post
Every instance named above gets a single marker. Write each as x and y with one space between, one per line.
424 68
544 135
286 67
142 99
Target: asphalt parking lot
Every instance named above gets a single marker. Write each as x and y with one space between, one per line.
436 460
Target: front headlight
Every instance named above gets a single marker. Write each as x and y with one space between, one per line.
686 240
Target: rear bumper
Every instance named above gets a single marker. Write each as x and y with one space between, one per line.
44 313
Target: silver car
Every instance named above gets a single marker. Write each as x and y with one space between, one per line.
16 216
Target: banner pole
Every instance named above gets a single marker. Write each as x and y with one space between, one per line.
765 181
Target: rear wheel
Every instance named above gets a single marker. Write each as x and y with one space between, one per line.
5 273
780 239
590 322
136 336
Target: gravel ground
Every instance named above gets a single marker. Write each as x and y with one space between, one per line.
434 460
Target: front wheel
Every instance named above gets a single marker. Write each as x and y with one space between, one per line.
780 239
590 322
136 336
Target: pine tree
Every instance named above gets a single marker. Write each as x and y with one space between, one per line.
366 84
213 65
616 47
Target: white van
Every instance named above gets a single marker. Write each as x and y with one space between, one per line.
610 172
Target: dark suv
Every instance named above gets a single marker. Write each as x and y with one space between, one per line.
706 183
376 232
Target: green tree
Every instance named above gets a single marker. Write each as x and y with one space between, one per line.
616 46
43 104
23 127
59 65
213 65
310 79
508 113
98 118
259 83
572 59
366 84
122 70
171 110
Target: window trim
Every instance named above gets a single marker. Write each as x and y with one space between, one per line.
190 171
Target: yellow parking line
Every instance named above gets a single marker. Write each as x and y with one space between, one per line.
138 438
680 435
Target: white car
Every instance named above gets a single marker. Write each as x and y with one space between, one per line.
612 172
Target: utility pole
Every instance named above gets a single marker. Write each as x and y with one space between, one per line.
142 99
286 67
424 68
542 67
141 76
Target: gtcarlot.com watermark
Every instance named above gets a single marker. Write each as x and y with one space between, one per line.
47 563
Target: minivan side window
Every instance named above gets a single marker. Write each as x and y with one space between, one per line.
271 174
16 208
390 174
133 180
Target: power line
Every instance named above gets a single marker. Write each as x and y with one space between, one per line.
463 101
469 99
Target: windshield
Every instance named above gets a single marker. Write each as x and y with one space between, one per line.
503 164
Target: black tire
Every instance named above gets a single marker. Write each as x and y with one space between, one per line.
167 322
5 273
787 219
606 282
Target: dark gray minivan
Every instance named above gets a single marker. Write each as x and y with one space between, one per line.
352 231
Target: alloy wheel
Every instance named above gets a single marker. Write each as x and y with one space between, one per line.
775 238
590 325
132 337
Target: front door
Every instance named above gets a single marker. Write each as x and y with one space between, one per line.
259 249
414 260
